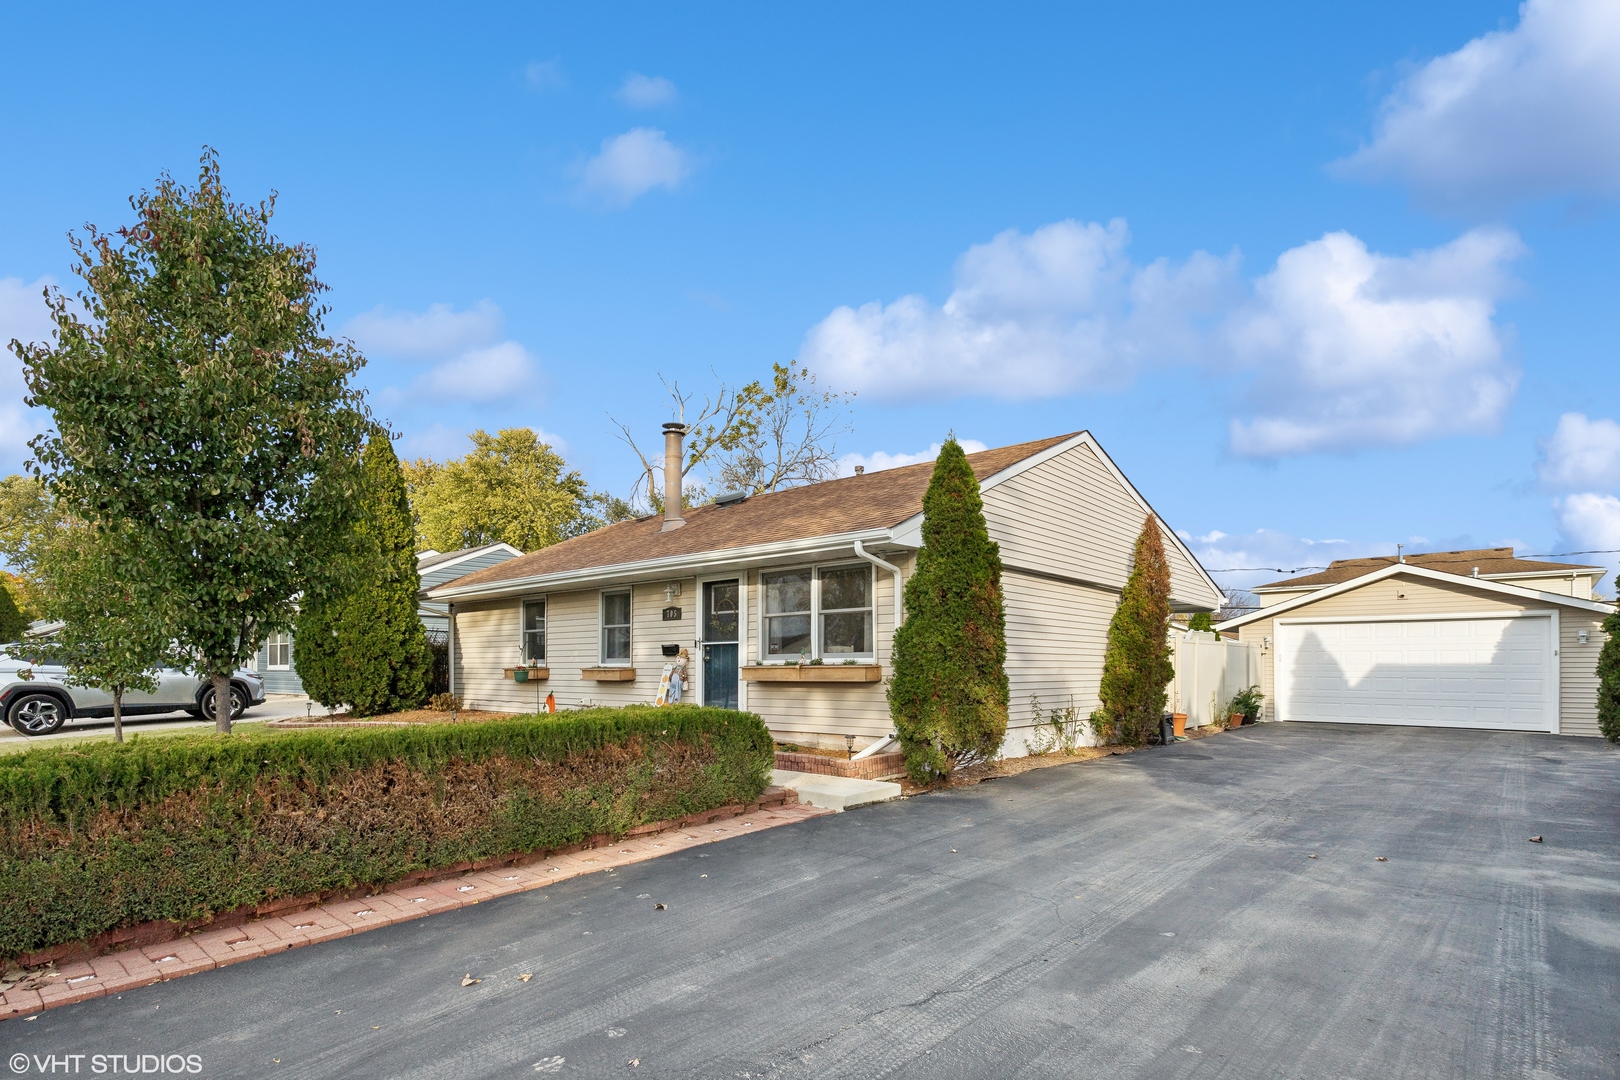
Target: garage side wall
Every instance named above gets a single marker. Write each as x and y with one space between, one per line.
1577 663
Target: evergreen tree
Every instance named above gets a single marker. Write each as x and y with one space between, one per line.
1137 666
363 645
1609 680
948 696
1201 621
12 623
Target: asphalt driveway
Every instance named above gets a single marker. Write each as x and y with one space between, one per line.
1149 915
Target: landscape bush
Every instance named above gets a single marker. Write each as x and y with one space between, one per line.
97 837
949 694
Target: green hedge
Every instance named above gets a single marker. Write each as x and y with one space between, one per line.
94 837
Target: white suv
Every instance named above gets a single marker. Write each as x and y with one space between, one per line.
35 699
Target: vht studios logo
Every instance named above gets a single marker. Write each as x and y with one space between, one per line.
107 1064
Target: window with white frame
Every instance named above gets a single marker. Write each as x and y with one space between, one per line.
278 651
786 613
822 613
534 631
846 612
616 627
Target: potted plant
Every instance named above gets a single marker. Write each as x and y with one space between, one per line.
1244 708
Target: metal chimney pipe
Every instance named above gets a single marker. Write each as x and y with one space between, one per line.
674 455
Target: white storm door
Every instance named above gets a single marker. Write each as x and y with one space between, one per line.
1474 671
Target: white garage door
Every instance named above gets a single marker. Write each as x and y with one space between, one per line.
1474 672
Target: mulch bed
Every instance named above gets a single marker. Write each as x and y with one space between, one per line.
995 770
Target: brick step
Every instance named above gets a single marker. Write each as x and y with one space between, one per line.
876 767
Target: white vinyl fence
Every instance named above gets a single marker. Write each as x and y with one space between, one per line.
1209 670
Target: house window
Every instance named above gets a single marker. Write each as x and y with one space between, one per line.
787 613
616 627
534 631
846 612
278 651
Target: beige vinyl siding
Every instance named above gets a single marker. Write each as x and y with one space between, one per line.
1577 664
1577 672
859 709
487 638
1056 636
1578 586
1070 516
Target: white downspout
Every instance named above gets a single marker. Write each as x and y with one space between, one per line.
899 617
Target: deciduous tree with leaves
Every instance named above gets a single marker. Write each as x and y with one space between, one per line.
363 645
115 627
949 693
198 402
509 488
12 622
1137 666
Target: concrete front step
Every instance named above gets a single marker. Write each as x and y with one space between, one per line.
837 793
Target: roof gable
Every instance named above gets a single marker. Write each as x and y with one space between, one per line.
1410 570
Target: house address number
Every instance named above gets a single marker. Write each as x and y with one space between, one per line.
672 614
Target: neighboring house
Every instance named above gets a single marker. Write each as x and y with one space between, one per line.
1470 639
435 568
278 665
753 586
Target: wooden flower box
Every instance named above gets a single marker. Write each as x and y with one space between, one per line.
608 674
531 674
813 673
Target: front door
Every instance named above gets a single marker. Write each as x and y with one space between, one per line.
720 629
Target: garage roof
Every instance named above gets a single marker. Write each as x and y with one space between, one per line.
1491 562
1409 569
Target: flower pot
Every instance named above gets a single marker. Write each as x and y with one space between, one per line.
1235 720
1180 721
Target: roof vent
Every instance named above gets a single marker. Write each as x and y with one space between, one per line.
860 469
730 498
1476 571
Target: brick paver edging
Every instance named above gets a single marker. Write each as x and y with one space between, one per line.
118 971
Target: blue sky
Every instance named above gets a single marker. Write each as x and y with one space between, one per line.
1309 274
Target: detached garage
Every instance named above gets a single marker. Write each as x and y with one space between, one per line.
1405 643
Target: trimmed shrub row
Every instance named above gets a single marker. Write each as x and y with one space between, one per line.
102 836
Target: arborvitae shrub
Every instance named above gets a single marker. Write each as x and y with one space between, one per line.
948 696
1201 621
365 646
1609 680
1137 666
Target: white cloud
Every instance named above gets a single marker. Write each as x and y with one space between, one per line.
632 164
1052 312
1518 113
544 75
879 460
481 375
1591 522
1336 348
438 332
1243 561
23 316
1350 348
1582 453
646 91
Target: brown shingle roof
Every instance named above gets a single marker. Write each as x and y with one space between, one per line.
833 507
1489 560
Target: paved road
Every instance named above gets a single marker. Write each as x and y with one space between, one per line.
1152 915
275 707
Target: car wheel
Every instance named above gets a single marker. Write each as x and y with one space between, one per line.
238 703
37 714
